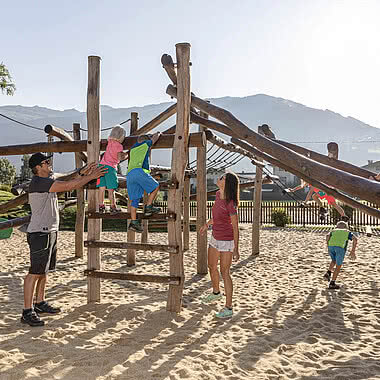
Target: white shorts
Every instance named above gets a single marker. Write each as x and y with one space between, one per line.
222 245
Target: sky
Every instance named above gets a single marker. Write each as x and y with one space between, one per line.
324 54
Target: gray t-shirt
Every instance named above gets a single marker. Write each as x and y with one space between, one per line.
44 205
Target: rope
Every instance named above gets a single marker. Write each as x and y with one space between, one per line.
19 122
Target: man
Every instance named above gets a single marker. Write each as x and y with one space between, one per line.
42 231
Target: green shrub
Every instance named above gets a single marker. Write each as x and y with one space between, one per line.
4 187
279 217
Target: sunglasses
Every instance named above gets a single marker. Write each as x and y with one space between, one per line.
47 162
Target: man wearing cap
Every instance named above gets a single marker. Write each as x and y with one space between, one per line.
42 231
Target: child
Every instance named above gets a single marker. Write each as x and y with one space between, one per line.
337 241
110 159
140 180
317 195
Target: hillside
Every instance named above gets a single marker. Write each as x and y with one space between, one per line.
290 121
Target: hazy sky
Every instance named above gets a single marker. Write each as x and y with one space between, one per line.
322 53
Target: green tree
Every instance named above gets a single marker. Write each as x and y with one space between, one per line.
25 171
7 172
6 83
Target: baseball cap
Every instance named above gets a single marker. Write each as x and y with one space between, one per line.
37 158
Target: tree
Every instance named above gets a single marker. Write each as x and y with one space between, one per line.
7 172
25 171
6 84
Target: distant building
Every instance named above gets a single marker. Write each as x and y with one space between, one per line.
288 179
373 166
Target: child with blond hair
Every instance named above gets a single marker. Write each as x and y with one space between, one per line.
110 159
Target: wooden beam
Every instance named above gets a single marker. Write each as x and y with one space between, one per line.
168 65
163 116
335 163
79 219
51 130
131 235
127 215
93 150
179 162
354 185
347 200
129 245
164 142
132 277
201 196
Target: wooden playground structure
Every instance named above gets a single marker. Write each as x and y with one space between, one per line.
323 172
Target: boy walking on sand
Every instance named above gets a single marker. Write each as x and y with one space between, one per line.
337 241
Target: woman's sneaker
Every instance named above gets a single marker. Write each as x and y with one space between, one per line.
225 313
102 209
135 225
31 318
212 297
150 210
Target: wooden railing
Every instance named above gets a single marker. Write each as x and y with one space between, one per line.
298 214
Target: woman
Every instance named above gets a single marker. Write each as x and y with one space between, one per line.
224 242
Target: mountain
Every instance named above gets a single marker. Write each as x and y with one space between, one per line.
290 121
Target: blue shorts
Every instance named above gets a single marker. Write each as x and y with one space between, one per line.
109 179
337 254
137 182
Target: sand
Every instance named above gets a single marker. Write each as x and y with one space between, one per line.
286 324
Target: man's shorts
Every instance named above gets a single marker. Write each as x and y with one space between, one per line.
222 245
43 252
139 181
337 254
109 179
322 195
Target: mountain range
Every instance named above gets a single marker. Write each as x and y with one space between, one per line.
290 121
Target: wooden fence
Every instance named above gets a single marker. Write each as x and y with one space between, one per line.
298 214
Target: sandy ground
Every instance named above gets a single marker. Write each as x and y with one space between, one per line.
286 324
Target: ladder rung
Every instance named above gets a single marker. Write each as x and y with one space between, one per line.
172 280
129 245
127 215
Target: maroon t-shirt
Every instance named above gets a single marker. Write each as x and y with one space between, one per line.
221 217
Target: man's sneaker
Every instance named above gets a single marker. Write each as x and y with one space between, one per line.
212 297
135 225
102 209
333 285
32 319
44 307
327 276
225 313
150 210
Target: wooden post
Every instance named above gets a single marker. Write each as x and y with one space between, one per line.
257 209
131 235
201 205
93 149
79 220
50 140
186 214
144 235
179 161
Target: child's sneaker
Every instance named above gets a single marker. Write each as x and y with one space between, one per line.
114 210
135 225
333 285
212 297
225 313
345 218
102 209
327 276
150 210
